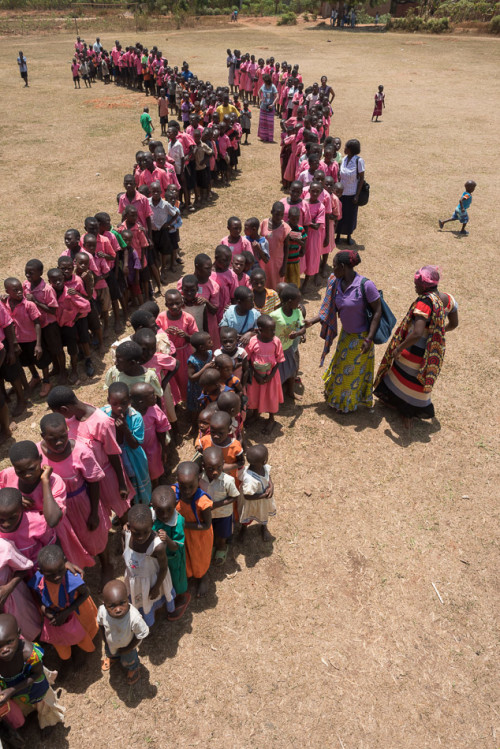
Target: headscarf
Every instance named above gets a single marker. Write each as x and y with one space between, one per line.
428 276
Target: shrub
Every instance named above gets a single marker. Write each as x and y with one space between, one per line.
288 19
494 25
413 23
305 16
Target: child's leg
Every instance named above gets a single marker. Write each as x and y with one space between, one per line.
20 390
270 425
202 586
266 536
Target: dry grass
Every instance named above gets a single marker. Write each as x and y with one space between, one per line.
336 638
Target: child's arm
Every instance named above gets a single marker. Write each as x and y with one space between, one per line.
206 521
285 257
23 686
93 518
128 436
225 501
162 439
38 344
160 554
7 589
169 543
51 510
212 308
193 375
127 648
61 616
269 377
244 372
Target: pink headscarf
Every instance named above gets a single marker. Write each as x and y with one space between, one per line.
428 276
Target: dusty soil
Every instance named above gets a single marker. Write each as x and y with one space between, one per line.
333 635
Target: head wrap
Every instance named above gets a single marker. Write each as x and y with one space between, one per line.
348 257
428 276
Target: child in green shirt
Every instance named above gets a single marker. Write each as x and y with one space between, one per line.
147 125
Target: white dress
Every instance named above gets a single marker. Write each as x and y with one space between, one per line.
257 510
141 572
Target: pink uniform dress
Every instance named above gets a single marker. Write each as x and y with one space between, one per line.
326 200
75 470
183 349
209 290
19 603
31 535
276 238
336 209
154 421
252 68
99 433
237 248
69 541
309 263
227 282
265 398
162 365
303 206
259 82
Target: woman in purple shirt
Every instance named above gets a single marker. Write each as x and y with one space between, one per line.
349 378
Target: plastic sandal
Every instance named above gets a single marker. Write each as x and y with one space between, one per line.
133 677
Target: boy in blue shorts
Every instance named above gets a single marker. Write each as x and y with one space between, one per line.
460 213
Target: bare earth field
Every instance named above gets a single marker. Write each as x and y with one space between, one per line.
334 635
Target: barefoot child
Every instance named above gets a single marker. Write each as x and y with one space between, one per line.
198 363
221 488
220 436
289 326
23 681
265 354
180 326
224 364
196 508
147 125
122 628
257 504
169 524
379 103
69 613
296 247
460 213
147 576
229 345
156 428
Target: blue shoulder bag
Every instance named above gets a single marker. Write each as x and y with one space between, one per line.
387 321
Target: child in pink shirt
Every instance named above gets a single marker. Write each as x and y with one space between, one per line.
236 243
43 295
239 265
140 202
180 326
156 428
72 305
140 244
265 353
225 277
223 144
27 531
26 317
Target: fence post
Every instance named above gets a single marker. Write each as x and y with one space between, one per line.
76 27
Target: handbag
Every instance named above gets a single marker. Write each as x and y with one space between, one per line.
364 193
387 321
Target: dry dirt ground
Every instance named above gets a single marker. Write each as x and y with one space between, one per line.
333 635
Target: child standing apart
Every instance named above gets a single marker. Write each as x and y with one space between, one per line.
122 628
75 72
265 354
460 213
69 613
222 489
257 504
23 683
289 326
169 524
147 576
147 125
196 508
379 103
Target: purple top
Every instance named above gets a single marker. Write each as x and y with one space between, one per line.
351 306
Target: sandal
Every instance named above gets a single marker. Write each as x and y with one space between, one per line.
220 557
180 610
133 677
105 663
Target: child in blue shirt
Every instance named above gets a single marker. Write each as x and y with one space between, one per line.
460 213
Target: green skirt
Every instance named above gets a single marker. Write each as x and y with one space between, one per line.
349 378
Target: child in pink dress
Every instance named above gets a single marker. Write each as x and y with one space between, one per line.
276 231
236 243
180 326
156 428
44 492
295 198
75 463
208 290
224 276
14 566
28 531
309 263
265 353
239 265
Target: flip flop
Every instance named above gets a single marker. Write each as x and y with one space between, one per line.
133 677
105 663
220 557
180 610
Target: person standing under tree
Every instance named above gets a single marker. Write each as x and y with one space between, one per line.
23 68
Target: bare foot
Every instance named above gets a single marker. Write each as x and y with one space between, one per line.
72 378
202 588
269 426
407 421
441 224
266 536
20 408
